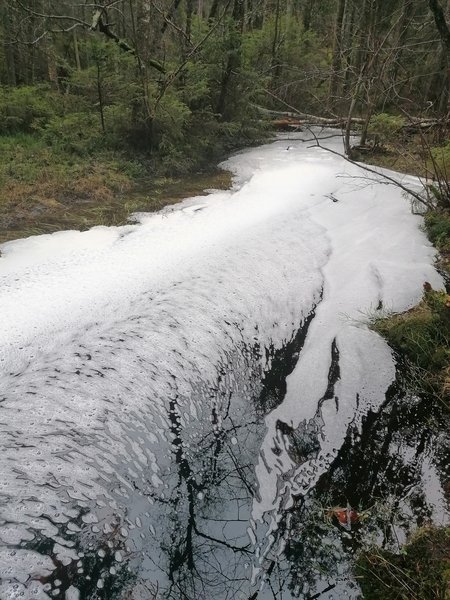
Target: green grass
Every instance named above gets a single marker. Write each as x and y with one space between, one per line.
420 572
422 335
43 189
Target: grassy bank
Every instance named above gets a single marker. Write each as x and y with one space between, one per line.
43 190
420 572
62 167
421 336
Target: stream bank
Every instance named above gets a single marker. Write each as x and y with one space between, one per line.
42 196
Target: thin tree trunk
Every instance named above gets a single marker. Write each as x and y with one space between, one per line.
234 58
337 55
276 66
189 12
307 15
444 33
100 96
76 50
9 47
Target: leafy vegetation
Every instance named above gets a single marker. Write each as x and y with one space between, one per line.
438 229
384 128
44 189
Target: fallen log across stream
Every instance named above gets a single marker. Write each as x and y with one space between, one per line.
292 120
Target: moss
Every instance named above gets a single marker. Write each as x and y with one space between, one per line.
437 226
422 335
420 572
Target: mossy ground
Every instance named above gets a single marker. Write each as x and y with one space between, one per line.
422 335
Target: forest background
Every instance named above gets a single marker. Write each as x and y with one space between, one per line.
97 97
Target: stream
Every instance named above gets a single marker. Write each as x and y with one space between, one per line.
184 399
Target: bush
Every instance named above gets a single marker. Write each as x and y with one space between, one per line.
22 108
78 133
441 160
437 225
384 127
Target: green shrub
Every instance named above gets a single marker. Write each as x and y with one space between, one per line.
22 108
78 133
441 160
422 335
437 225
384 127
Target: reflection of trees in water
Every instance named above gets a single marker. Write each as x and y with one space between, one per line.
201 548
380 472
207 545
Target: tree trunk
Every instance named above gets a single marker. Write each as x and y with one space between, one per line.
9 47
307 15
276 65
444 33
234 58
189 11
76 50
440 21
100 96
337 55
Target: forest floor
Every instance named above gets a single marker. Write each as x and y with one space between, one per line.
43 191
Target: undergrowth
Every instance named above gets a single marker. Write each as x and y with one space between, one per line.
422 335
43 189
420 572
60 169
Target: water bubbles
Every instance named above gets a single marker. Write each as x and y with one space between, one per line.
72 593
89 518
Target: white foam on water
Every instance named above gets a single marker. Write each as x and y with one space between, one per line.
99 329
